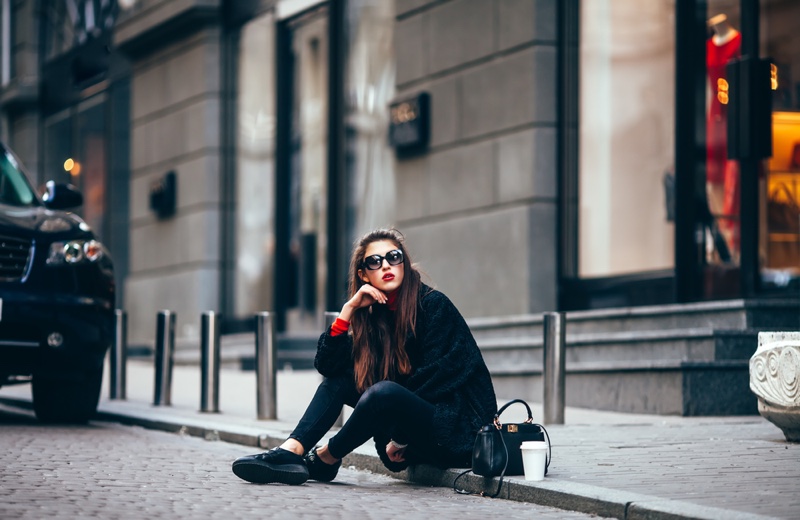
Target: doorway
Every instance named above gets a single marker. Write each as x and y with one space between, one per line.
302 227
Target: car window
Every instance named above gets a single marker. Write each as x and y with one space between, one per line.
14 187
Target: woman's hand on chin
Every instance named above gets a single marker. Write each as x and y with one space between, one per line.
366 296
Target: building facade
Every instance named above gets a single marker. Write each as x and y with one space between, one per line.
570 154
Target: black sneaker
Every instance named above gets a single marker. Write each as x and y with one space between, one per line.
318 469
275 465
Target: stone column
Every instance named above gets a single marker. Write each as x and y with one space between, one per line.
775 379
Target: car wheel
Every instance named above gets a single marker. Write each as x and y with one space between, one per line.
66 401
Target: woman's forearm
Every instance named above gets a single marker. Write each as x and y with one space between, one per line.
346 313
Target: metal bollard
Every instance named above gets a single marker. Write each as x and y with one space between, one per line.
118 357
266 367
554 367
165 346
209 362
330 317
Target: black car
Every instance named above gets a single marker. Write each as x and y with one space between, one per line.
56 297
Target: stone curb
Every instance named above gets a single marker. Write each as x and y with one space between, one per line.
572 496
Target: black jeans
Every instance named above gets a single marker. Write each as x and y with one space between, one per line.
386 408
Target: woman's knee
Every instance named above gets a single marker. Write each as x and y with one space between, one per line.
334 384
381 394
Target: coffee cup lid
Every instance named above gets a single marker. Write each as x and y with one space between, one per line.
533 445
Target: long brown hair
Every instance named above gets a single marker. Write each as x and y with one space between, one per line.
371 325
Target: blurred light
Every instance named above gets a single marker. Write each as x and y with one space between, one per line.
73 252
722 91
773 76
93 250
68 164
55 339
76 169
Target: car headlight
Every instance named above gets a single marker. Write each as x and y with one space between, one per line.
75 252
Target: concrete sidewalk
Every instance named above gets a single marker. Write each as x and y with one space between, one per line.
610 464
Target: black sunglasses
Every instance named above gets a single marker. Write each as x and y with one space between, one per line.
393 257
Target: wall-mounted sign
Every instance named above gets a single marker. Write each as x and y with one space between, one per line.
163 195
409 124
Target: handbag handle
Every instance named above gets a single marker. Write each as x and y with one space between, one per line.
549 450
496 420
502 475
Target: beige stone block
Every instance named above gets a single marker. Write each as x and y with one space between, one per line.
445 116
187 71
187 238
202 128
526 164
411 46
479 260
510 92
462 178
523 21
143 141
412 188
460 32
147 91
187 292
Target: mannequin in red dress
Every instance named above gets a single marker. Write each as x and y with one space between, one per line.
722 175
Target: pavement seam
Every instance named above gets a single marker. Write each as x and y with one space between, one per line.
572 496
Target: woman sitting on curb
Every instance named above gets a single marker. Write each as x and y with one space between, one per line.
409 367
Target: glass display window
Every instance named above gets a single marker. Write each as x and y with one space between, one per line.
76 152
626 136
779 214
773 24
255 168
721 223
369 89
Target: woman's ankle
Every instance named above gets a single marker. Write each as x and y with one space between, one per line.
325 456
294 446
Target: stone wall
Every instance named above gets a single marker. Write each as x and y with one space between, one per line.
175 126
479 209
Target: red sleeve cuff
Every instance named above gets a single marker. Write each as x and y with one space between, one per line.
339 327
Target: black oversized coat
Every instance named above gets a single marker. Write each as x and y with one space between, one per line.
448 371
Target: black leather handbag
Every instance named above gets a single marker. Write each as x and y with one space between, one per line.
496 452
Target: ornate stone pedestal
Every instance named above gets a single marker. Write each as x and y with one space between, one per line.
775 379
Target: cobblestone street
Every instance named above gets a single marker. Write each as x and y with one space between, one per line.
109 471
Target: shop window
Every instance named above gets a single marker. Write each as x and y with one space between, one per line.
626 136
369 89
76 152
307 202
778 175
779 232
255 168
92 150
722 226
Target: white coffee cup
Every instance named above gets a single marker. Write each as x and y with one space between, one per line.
534 457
